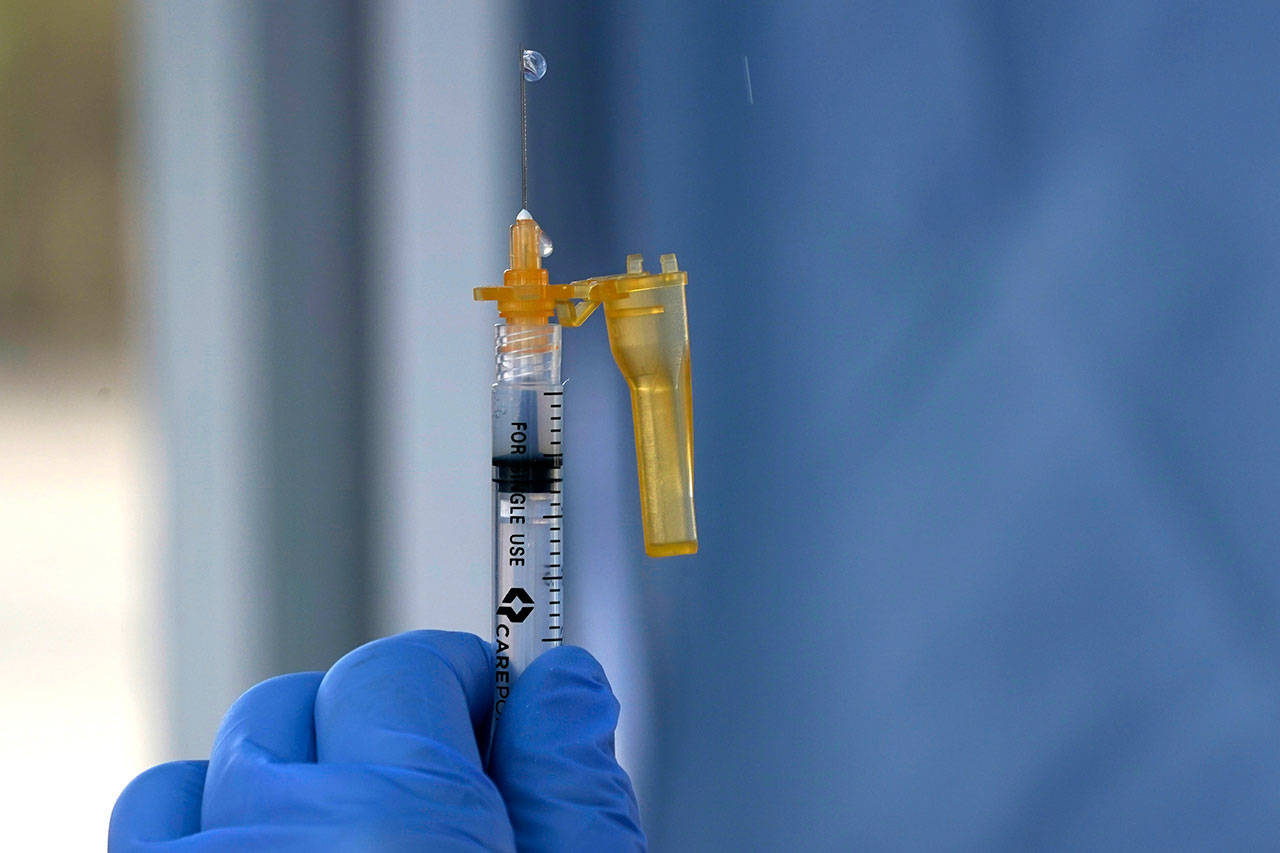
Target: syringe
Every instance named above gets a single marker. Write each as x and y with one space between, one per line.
649 336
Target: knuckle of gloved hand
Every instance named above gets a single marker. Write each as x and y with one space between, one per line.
426 656
393 788
448 645
460 782
451 795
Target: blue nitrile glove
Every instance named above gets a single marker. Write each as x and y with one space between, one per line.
383 752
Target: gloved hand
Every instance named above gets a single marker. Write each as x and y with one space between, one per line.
383 753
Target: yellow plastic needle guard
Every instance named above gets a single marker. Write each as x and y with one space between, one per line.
648 327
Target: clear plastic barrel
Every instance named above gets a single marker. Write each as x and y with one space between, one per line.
528 570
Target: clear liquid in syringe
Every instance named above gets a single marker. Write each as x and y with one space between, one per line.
528 565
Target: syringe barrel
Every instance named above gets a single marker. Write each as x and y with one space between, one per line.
528 512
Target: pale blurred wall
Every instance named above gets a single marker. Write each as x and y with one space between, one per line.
322 186
444 186
249 184
80 698
61 225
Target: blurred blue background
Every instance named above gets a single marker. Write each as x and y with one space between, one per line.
984 300
983 304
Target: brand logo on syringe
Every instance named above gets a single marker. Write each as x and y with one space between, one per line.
516 614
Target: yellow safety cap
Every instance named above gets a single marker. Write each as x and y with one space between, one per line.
648 326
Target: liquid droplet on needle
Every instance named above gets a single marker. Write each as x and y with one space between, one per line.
533 65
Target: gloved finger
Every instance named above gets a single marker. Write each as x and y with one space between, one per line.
412 706
303 839
406 701
271 724
162 804
553 759
374 801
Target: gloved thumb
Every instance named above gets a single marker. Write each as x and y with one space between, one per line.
552 759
